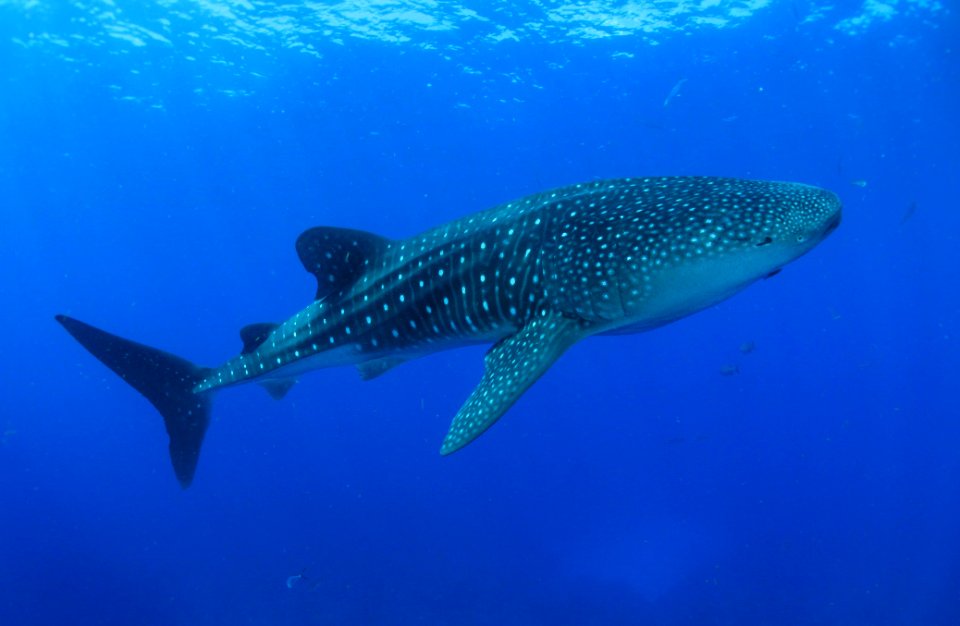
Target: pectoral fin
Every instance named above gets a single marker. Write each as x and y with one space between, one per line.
511 366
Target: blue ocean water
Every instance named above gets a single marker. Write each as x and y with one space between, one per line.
787 457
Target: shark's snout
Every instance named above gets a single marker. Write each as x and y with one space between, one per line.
833 221
812 216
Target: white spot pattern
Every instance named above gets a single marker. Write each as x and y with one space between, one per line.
537 274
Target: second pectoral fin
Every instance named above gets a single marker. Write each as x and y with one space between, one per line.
510 367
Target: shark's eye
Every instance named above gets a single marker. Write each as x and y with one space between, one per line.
766 241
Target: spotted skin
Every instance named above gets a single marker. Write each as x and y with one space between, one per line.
532 277
510 367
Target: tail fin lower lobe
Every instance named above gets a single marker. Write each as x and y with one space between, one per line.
164 379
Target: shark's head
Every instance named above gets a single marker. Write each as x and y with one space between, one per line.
792 218
711 237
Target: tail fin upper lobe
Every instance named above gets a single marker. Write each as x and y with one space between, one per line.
164 379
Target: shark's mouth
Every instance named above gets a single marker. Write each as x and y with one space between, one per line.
832 224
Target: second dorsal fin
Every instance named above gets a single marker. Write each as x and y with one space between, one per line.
253 335
338 256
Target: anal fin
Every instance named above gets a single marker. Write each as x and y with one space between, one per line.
278 388
511 367
375 367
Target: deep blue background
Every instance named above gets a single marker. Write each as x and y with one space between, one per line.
633 484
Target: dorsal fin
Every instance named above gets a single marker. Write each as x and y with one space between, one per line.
253 335
338 256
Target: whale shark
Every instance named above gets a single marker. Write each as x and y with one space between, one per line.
531 277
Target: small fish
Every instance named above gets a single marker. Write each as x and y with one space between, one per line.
747 347
293 581
730 369
674 92
859 183
909 212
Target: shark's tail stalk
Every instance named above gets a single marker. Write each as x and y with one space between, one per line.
164 379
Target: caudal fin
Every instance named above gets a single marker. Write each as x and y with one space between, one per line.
164 379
